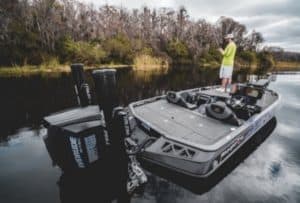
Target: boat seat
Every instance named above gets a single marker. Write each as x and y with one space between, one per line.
262 83
249 92
220 111
181 99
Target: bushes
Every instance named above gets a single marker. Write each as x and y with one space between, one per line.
249 57
212 56
266 61
82 52
112 50
178 51
20 47
119 49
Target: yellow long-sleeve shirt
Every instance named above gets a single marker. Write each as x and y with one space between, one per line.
229 54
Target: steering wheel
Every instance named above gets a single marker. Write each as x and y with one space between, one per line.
237 102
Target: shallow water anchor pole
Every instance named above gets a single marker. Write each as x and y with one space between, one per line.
106 91
82 89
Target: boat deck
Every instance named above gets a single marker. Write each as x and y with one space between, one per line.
182 124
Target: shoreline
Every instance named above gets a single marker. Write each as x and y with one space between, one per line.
19 71
29 70
286 65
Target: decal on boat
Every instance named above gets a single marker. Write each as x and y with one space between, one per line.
91 147
253 128
77 151
257 124
235 143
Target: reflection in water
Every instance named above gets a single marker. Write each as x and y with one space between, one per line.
275 169
269 173
93 186
26 173
26 100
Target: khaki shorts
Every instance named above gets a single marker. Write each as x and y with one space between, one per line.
226 71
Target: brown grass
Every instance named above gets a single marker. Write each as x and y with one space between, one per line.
147 62
287 65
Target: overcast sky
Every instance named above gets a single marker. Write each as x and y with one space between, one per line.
277 20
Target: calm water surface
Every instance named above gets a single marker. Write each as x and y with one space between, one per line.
266 171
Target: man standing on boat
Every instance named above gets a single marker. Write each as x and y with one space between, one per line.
228 61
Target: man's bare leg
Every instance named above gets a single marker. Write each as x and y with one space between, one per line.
233 89
228 83
224 81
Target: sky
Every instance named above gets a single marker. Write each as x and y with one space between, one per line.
277 20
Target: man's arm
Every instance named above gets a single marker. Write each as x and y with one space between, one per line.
221 51
228 50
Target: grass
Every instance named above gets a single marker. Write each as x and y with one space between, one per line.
31 70
212 64
141 62
53 67
48 69
148 62
287 65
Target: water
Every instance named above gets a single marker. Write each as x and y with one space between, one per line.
260 172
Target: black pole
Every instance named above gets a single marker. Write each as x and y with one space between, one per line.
120 132
106 91
81 87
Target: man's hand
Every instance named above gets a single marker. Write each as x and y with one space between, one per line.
221 50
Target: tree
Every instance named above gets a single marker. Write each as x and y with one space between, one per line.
32 31
252 41
178 51
228 25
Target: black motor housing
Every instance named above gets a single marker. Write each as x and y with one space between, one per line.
76 138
